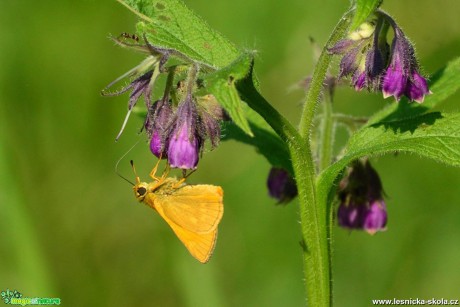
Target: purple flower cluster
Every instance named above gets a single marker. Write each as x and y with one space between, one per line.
179 136
402 76
361 201
177 129
371 63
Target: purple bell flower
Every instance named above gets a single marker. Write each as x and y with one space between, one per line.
359 80
157 126
184 141
281 185
157 145
394 81
349 216
375 217
417 87
402 76
361 201
210 114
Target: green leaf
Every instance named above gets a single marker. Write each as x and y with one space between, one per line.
222 85
261 135
432 135
265 140
443 84
170 24
364 8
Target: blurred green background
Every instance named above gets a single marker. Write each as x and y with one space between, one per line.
71 228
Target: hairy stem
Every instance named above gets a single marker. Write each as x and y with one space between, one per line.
327 135
313 213
319 74
314 233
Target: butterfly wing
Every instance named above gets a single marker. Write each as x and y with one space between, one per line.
195 208
199 245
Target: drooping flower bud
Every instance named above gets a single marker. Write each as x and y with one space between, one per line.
281 186
140 86
184 141
157 126
357 61
210 114
361 200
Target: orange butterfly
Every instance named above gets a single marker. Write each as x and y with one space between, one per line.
192 211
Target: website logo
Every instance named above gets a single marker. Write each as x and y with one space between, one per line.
15 298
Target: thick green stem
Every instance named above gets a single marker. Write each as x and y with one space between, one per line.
280 124
313 213
314 233
318 261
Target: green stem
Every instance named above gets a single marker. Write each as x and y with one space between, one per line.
319 74
314 232
313 213
280 124
318 256
327 135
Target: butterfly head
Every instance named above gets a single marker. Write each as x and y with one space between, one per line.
140 190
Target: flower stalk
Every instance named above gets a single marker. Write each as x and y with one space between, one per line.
313 214
326 134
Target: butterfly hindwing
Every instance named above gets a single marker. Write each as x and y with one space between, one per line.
199 245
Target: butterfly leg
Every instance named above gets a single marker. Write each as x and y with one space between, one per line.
182 180
178 183
165 172
154 171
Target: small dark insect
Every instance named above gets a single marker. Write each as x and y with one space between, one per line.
126 35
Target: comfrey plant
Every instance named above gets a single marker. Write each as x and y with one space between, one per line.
210 83
372 64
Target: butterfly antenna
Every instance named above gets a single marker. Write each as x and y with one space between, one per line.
138 180
119 160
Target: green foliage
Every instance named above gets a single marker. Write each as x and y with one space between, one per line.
364 8
408 127
171 25
222 85
431 135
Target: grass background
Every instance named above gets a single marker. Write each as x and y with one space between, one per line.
71 228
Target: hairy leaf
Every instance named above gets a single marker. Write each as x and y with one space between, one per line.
364 8
171 25
222 85
432 135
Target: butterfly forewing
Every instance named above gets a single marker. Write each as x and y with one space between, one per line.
196 208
